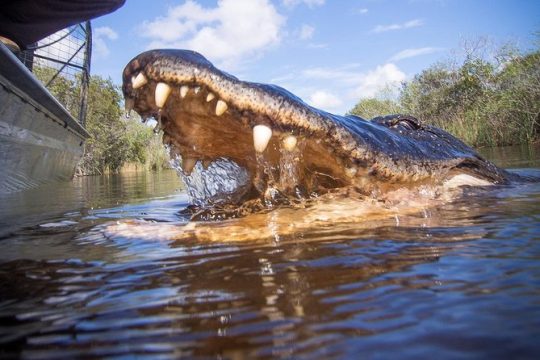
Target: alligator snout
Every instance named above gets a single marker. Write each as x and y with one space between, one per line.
285 147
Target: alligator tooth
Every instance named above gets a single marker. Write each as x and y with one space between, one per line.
158 126
261 137
162 93
183 91
221 107
197 89
289 143
138 81
210 97
188 163
129 103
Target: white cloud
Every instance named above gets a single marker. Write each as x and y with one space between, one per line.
227 33
391 27
105 31
355 83
310 3
362 11
324 100
101 34
317 46
409 53
338 88
306 32
346 75
382 76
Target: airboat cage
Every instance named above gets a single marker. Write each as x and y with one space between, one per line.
61 61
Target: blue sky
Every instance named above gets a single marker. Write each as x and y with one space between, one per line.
331 53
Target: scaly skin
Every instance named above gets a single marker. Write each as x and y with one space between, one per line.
333 151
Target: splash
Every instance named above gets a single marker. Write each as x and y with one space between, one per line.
222 182
291 171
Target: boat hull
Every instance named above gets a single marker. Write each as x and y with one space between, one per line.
40 141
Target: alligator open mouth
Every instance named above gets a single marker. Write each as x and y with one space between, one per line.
279 146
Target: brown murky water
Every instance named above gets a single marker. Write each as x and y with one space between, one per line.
102 268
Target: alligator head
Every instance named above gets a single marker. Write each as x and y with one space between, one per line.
280 147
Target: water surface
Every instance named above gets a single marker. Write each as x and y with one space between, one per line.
460 280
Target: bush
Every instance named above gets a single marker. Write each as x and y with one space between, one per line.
483 102
371 107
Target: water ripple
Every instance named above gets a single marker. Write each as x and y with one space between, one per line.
463 282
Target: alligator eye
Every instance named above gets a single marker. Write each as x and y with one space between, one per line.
406 123
398 122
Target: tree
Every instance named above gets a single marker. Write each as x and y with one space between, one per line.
114 139
482 100
383 103
371 107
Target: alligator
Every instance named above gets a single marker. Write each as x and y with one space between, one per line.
282 147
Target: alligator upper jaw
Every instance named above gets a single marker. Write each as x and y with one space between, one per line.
284 144
206 114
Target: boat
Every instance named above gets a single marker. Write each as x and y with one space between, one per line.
40 140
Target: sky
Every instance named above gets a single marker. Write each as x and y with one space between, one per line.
331 53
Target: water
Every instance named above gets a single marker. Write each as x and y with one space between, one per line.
223 181
107 267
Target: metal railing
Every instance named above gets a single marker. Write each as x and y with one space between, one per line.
61 62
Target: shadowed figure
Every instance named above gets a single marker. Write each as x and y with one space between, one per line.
25 22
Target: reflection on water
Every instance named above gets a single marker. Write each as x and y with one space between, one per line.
461 279
523 156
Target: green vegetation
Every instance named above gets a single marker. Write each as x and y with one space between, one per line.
115 140
484 102
383 104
